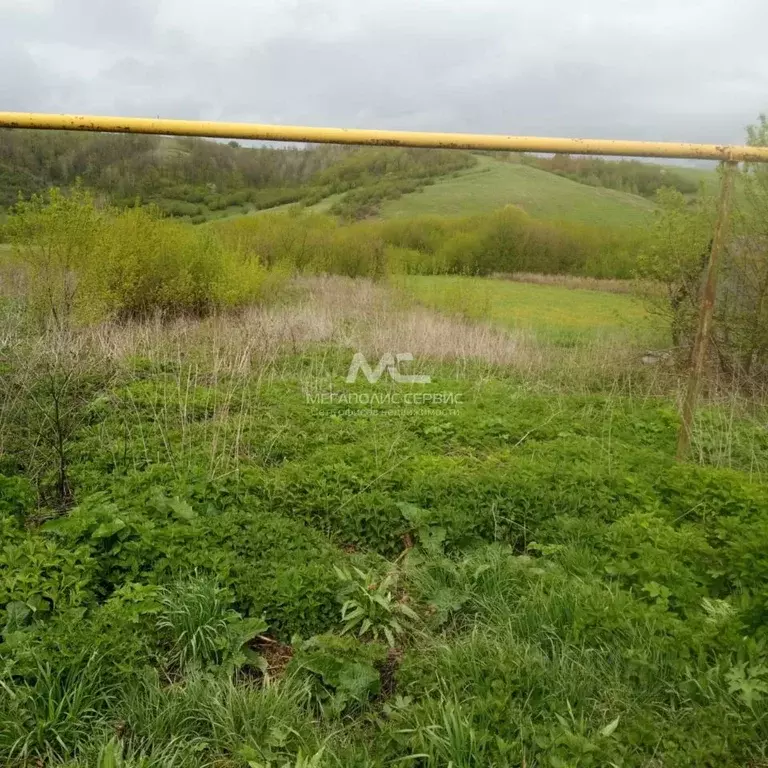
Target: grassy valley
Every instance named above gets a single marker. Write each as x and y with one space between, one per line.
382 477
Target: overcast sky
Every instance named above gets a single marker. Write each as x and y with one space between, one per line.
694 70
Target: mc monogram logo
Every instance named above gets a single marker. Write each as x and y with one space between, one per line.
388 364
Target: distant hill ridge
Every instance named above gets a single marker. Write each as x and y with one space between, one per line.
200 179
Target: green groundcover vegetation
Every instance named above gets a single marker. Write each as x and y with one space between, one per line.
216 552
245 576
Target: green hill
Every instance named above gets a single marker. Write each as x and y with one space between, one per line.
200 180
494 183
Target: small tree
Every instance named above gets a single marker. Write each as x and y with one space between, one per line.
745 284
678 257
49 383
55 236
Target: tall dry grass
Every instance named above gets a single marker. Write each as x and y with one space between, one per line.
337 313
328 314
219 367
576 282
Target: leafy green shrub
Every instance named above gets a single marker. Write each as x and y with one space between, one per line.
16 499
409 261
87 264
508 240
42 577
352 252
342 671
363 203
503 241
371 165
271 198
306 243
56 237
425 234
275 567
277 239
511 241
152 265
180 208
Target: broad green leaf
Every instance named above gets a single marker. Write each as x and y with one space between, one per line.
611 727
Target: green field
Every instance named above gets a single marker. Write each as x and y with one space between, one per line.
495 183
222 548
246 577
550 312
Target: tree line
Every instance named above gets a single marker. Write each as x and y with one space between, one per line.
194 178
632 176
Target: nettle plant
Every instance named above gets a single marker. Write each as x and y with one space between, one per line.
371 607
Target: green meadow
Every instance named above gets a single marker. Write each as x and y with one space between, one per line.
550 312
236 532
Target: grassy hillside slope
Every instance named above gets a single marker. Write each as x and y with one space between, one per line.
495 183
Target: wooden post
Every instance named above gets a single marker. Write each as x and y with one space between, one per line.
708 296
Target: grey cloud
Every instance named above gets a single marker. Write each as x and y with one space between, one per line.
612 68
87 23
